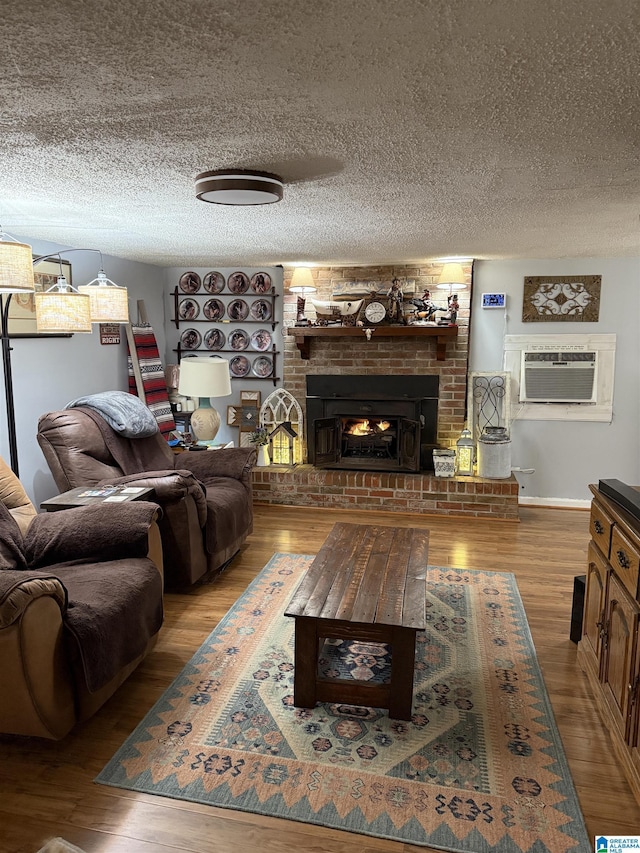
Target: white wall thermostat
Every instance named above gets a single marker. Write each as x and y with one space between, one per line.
494 300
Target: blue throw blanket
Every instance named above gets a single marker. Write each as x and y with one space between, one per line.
125 414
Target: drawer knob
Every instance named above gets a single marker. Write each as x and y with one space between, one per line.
623 560
597 526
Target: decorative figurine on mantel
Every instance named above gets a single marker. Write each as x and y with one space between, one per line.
396 298
451 316
426 310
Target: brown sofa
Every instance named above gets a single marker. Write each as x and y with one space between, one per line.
80 607
206 497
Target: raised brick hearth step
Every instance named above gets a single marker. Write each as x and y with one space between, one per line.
304 485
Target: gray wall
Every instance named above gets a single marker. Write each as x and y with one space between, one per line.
50 372
568 456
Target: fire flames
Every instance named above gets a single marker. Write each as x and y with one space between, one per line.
364 428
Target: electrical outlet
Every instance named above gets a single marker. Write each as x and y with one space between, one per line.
494 300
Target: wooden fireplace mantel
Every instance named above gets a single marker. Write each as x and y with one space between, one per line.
304 334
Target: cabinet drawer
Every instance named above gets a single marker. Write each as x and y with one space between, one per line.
600 527
625 560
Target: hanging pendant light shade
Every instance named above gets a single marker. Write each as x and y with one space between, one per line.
109 302
63 310
16 267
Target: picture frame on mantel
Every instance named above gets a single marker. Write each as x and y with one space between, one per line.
21 322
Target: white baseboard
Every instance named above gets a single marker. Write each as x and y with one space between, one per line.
556 503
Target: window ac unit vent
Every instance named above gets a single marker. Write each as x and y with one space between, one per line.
558 377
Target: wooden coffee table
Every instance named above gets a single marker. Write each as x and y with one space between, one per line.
366 583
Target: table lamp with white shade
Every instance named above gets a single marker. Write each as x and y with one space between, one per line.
302 283
452 277
204 378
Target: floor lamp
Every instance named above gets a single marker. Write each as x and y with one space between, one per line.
8 385
59 310
16 276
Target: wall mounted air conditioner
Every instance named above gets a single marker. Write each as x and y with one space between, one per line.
558 377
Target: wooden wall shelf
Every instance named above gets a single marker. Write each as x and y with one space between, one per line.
304 334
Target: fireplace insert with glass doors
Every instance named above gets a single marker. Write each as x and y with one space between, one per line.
375 423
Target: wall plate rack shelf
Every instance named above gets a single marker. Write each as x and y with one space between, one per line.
244 365
252 355
201 308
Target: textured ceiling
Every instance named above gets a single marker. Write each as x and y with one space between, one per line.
404 129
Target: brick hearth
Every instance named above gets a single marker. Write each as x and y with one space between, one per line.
304 485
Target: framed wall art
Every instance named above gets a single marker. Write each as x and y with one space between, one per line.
342 289
557 299
22 309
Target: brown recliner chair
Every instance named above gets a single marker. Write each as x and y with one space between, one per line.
206 497
80 607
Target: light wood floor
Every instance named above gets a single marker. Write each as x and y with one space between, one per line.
46 788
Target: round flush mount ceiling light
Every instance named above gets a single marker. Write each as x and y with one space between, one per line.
239 187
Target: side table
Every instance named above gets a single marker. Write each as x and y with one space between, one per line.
87 495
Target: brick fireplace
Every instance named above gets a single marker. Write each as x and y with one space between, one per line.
384 356
381 356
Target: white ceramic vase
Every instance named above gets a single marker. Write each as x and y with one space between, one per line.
263 456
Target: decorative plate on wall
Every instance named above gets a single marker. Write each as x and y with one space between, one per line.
262 366
213 309
238 282
190 339
261 340
260 309
239 366
189 282
238 339
238 310
261 282
214 339
214 282
188 309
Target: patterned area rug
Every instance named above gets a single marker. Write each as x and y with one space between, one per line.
479 767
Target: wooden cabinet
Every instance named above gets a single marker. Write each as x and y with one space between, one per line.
618 655
594 606
609 650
